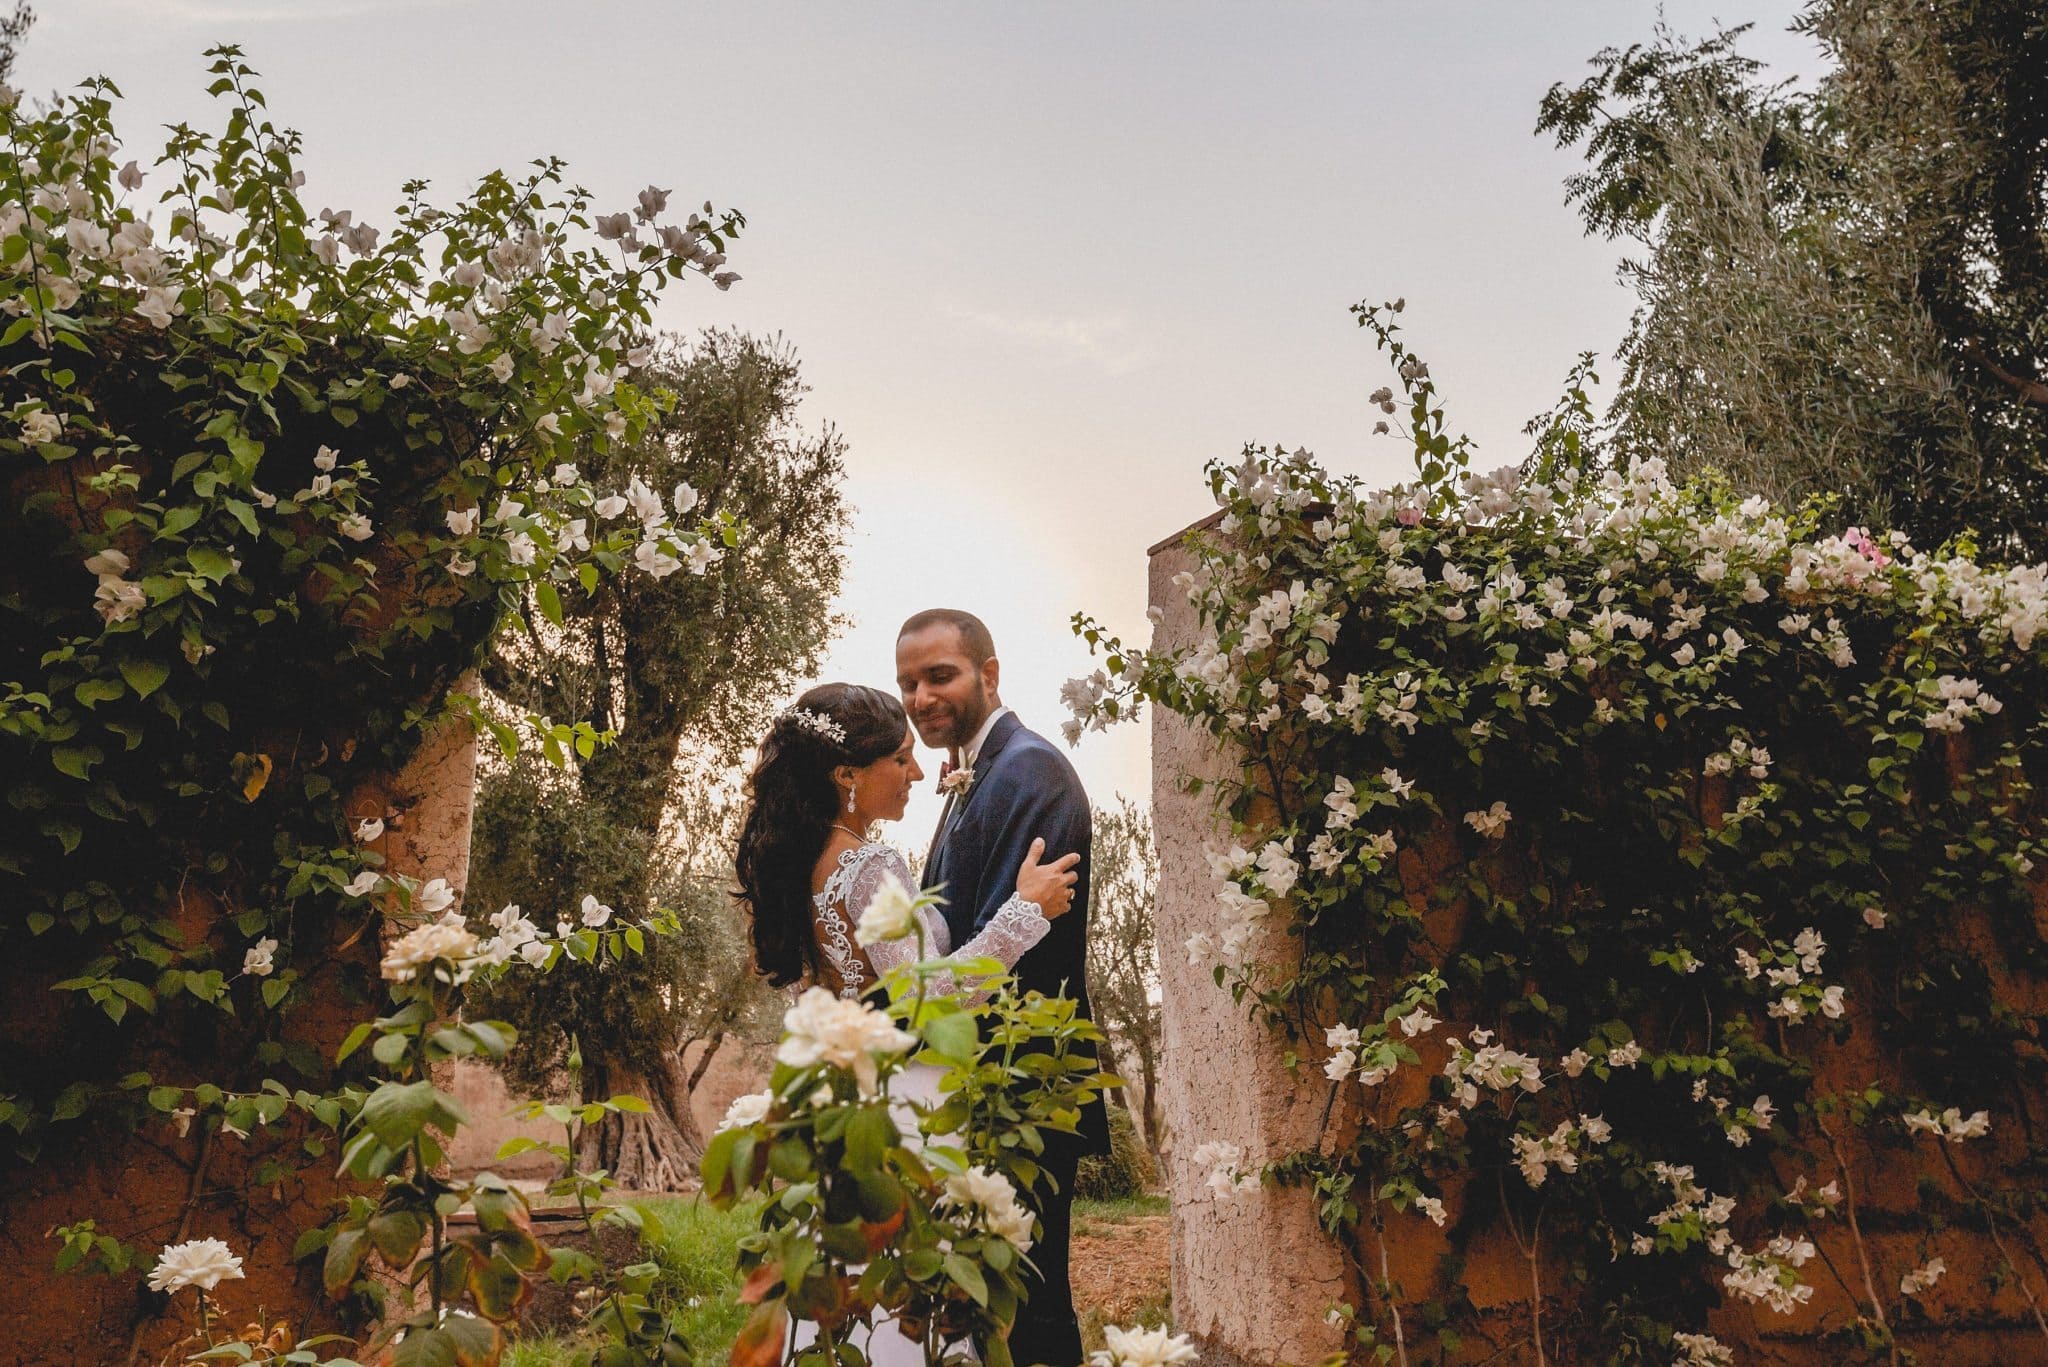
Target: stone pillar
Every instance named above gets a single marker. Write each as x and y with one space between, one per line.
1253 1274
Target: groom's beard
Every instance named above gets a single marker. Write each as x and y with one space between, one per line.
953 728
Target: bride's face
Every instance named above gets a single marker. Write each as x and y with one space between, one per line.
883 788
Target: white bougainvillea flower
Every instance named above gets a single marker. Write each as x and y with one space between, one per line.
434 897
117 600
107 562
703 555
1417 1022
651 559
368 829
41 426
363 884
463 521
324 458
356 527
1923 1277
1492 822
891 913
611 505
257 962
685 498
203 1263
593 913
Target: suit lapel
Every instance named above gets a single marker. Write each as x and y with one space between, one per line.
931 854
999 735
956 806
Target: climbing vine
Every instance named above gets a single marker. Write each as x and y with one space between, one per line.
273 477
1633 866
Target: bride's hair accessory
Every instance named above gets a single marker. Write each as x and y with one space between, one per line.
817 723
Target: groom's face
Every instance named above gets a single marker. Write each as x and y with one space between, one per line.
946 696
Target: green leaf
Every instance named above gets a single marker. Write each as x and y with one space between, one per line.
210 562
354 1041
145 676
76 760
954 1036
550 601
967 1277
95 691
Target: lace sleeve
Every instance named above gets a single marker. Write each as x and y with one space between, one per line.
879 864
1009 934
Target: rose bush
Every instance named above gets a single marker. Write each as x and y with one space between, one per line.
910 1207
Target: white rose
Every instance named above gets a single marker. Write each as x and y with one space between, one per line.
891 913
822 1028
750 1109
204 1263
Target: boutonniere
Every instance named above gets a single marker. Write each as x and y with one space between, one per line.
953 780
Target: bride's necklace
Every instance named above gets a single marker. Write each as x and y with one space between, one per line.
855 834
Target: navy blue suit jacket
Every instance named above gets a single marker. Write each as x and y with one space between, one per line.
1023 789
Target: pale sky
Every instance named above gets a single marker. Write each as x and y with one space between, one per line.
1040 260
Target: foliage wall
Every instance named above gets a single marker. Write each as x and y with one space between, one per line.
272 478
1644 876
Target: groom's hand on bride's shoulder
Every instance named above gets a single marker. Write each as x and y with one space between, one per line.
1051 886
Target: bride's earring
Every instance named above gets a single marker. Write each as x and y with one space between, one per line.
849 801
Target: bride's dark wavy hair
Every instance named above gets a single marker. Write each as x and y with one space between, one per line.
792 802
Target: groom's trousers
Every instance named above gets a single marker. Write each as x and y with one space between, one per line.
1047 1329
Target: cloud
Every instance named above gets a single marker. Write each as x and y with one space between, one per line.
1103 341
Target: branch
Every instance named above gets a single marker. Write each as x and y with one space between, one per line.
2030 391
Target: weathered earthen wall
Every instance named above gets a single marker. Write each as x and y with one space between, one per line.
159 1186
1253 1276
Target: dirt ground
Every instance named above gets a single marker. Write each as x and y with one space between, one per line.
1120 1269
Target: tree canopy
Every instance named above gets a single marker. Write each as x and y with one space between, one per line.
1843 287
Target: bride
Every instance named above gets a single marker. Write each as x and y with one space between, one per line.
830 768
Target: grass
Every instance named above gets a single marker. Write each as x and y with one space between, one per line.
1120 1211
696 1250
1154 1312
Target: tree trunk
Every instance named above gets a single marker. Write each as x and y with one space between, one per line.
1148 1068
655 1151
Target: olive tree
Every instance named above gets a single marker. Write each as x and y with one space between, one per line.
1841 285
645 822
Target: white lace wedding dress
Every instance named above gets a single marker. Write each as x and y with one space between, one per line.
1014 929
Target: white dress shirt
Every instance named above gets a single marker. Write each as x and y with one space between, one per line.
973 747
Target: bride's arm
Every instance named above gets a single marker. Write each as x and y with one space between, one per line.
1010 933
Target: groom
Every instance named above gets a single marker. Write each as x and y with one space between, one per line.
1019 789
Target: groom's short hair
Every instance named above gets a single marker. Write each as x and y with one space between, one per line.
974 637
